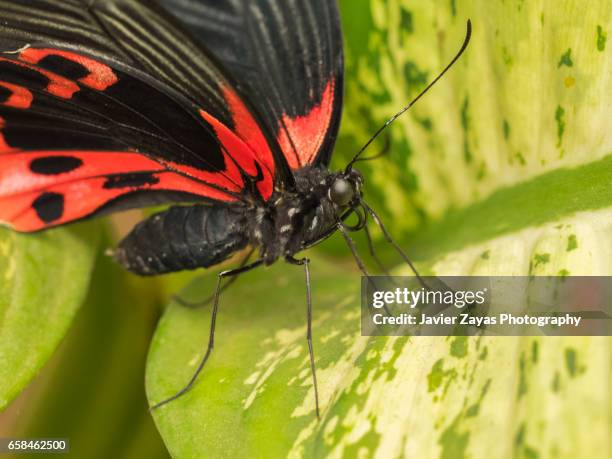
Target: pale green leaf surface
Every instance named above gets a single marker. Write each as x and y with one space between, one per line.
386 397
44 279
508 111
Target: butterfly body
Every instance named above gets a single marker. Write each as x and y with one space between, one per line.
183 237
200 236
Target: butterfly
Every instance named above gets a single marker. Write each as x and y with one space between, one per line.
228 109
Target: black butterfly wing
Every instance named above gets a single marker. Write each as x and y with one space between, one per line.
105 103
288 55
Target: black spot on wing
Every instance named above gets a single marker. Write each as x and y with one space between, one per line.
23 76
53 165
134 180
49 206
64 67
5 93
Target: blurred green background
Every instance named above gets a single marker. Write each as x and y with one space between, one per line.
503 169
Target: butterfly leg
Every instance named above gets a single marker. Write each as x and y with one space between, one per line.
358 260
351 244
382 267
395 245
437 283
305 262
198 304
211 336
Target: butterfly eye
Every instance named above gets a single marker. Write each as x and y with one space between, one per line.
341 192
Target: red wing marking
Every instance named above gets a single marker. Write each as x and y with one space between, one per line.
84 182
20 97
300 138
246 145
230 179
248 130
100 77
84 197
16 176
58 85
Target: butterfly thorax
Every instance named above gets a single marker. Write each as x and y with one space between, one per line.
292 221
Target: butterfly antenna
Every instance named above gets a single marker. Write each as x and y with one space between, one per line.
468 35
385 150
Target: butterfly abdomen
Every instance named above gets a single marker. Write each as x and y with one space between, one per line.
181 238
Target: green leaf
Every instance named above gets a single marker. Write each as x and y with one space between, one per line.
91 391
507 112
429 396
502 169
44 281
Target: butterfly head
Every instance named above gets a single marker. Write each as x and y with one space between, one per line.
345 189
